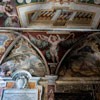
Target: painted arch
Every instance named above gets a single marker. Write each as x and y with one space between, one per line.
82 59
22 54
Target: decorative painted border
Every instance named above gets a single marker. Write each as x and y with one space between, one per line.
47 6
37 21
51 7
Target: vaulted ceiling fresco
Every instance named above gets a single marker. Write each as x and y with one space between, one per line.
47 40
68 54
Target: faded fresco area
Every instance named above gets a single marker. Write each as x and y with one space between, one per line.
83 60
37 52
72 56
43 53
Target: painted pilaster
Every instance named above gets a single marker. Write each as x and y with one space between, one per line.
51 86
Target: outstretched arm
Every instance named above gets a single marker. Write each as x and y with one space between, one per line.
42 37
45 37
10 15
49 39
59 39
72 34
7 13
69 35
39 37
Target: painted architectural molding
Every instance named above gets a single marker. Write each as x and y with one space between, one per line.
21 82
58 13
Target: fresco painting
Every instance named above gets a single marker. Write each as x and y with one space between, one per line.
52 47
23 57
70 55
5 40
83 61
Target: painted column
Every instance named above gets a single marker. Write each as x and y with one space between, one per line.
51 86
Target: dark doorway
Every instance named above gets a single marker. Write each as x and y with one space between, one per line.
73 96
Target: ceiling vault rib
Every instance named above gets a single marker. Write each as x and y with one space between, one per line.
9 48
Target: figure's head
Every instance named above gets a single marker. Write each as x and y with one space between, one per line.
54 38
8 8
